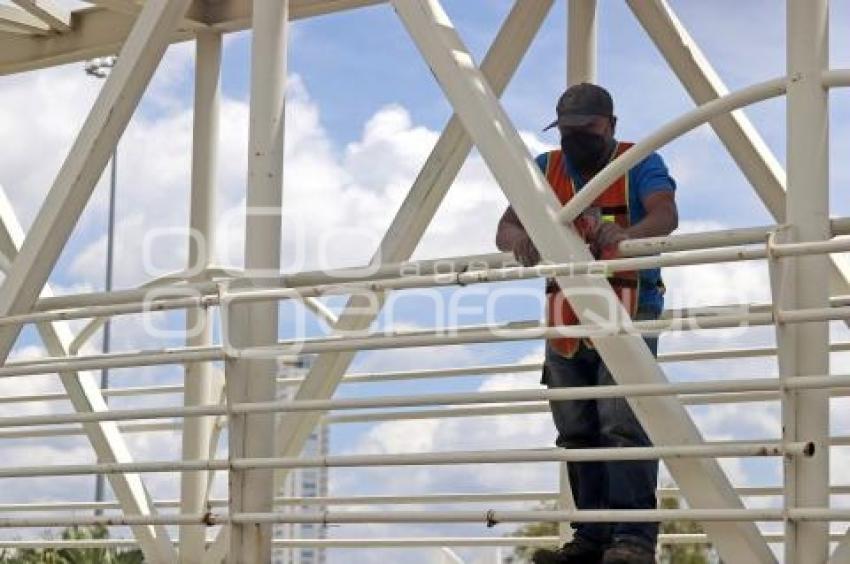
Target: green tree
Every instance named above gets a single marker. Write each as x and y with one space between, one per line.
542 529
523 553
681 553
74 555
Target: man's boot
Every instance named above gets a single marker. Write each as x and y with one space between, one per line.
629 553
579 551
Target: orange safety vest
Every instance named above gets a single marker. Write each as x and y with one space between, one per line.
614 201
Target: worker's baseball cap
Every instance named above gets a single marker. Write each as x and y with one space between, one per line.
580 103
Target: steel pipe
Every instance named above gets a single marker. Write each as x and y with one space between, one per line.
490 517
372 543
595 392
723 450
461 277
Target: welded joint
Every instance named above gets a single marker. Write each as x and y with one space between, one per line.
807 450
772 244
490 518
459 278
224 299
774 260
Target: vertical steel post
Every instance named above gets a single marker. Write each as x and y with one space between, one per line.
804 348
581 41
581 67
198 379
565 503
252 436
100 479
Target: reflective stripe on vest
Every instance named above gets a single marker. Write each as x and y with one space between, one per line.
614 202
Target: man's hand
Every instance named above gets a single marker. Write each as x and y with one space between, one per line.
607 236
511 236
525 252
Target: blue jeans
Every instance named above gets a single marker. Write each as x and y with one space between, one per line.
603 423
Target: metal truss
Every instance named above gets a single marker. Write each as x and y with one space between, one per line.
36 34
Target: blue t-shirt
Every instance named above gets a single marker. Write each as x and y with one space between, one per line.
648 176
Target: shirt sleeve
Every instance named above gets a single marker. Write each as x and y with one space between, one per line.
541 162
651 176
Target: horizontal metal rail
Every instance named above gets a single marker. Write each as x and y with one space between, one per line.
418 542
110 392
454 335
447 336
562 394
371 377
628 248
535 407
663 539
445 498
489 517
437 279
425 499
597 267
529 408
492 517
719 450
77 430
507 332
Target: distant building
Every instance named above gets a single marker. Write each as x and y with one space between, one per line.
302 483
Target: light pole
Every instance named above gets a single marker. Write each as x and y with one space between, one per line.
99 68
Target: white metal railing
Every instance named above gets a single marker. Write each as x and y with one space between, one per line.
595 392
468 89
501 402
510 541
743 244
361 500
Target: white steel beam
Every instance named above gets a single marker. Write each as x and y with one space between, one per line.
198 377
629 359
804 348
581 67
85 395
233 15
97 31
581 41
128 7
230 15
56 17
755 159
255 380
85 162
413 217
15 19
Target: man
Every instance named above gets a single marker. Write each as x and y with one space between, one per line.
641 204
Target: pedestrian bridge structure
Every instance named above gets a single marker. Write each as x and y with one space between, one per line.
232 356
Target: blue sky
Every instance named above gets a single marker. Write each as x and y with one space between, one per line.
363 113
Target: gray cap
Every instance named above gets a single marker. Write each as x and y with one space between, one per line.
581 103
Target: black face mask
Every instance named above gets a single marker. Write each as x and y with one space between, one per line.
588 152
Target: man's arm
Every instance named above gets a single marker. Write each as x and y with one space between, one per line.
662 218
512 238
510 231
